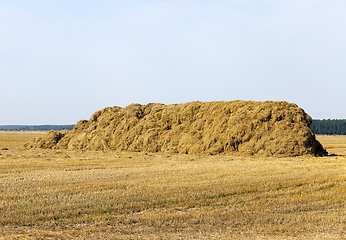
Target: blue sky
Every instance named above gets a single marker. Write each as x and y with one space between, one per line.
60 61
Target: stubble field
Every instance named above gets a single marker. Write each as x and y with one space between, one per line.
61 194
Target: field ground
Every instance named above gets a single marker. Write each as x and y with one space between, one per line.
60 194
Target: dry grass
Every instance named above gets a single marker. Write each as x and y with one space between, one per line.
248 128
334 144
61 194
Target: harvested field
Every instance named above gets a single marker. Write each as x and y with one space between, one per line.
243 127
86 194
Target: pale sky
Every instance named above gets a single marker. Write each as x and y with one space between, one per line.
60 61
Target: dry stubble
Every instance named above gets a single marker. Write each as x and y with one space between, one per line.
61 194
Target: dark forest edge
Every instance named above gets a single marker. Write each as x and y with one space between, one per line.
329 126
325 127
36 127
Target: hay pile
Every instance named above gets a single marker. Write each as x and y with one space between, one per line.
245 127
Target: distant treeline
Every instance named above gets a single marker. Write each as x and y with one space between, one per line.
35 127
329 126
325 126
